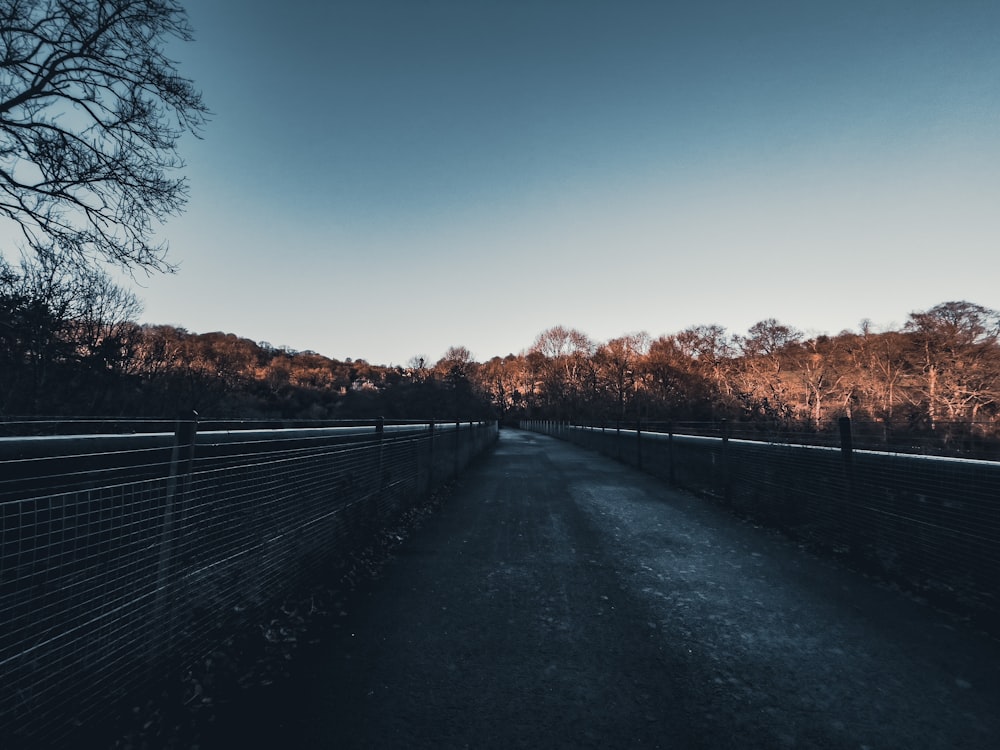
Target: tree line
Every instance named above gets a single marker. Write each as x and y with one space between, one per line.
69 346
936 376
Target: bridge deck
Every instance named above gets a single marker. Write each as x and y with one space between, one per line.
560 599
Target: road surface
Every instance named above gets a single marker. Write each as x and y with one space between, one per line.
562 600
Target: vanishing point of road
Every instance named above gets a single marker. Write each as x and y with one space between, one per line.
562 600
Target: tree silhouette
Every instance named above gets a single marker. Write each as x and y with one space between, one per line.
91 110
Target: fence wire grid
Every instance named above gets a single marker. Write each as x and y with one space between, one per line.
124 556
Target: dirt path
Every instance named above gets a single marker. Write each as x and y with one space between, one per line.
560 599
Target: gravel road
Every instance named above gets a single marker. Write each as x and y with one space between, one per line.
560 599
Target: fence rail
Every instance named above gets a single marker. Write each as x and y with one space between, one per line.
929 523
125 555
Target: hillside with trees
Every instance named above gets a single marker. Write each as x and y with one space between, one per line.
69 347
937 378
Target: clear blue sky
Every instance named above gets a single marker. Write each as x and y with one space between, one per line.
386 178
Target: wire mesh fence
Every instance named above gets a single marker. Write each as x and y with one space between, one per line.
124 556
943 438
928 523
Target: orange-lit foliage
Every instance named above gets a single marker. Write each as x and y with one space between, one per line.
941 367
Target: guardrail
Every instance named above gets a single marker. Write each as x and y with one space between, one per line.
929 523
122 556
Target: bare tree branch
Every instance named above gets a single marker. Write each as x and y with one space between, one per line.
91 112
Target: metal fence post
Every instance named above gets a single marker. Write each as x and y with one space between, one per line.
847 447
430 462
724 430
181 464
638 443
847 454
379 480
670 454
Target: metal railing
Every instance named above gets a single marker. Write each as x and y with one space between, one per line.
122 556
928 523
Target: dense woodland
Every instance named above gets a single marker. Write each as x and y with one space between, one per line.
69 347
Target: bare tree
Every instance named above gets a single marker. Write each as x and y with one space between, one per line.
819 366
91 111
61 323
767 338
455 357
958 360
567 374
500 378
679 384
619 368
881 360
104 319
758 378
559 341
710 350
